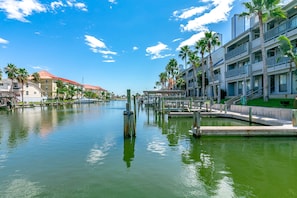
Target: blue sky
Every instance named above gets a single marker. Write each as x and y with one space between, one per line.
115 44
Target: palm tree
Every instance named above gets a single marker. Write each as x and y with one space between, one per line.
172 70
11 70
194 62
36 77
200 46
180 82
22 77
163 79
184 53
263 9
61 89
0 74
212 41
286 49
158 84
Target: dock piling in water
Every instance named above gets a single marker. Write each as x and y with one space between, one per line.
129 118
196 124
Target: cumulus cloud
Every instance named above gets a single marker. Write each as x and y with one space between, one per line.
219 11
189 12
3 41
155 51
20 9
135 48
98 46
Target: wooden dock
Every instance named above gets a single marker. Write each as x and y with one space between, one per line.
271 127
249 131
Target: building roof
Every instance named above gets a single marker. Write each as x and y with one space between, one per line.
92 87
46 75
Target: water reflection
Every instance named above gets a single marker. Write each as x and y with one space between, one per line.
129 145
97 154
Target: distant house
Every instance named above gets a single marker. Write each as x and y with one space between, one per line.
12 91
32 93
48 83
95 89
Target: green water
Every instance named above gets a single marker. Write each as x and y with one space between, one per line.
79 151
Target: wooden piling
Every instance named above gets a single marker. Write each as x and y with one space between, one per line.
129 119
250 115
196 124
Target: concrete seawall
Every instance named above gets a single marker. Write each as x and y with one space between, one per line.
277 113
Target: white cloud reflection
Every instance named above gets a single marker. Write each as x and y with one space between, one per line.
97 154
157 146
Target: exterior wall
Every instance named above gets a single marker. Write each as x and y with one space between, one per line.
32 93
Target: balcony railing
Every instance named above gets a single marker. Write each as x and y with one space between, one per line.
237 71
274 60
282 28
237 51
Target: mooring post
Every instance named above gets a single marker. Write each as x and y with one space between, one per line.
294 117
196 124
163 105
225 107
134 103
250 114
191 101
129 120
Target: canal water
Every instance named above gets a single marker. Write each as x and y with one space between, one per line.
79 151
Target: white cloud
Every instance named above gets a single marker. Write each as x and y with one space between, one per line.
98 46
19 10
94 42
155 51
189 12
112 1
109 61
192 40
3 41
70 3
135 48
217 14
177 39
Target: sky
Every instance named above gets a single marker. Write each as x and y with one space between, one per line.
114 44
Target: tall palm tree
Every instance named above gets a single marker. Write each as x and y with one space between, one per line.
172 70
0 74
286 49
180 82
194 61
184 53
11 70
36 77
212 41
22 77
200 46
263 9
163 79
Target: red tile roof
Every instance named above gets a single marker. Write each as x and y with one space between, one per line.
46 75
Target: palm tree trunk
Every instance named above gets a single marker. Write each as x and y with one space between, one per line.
203 77
212 77
265 75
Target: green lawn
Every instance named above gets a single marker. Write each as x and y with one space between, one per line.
271 103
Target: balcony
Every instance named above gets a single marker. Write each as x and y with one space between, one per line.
282 28
274 61
237 51
237 71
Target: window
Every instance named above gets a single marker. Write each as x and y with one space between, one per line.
27 93
282 83
272 84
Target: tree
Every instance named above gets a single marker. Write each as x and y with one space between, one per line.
172 71
11 70
22 77
212 40
195 63
263 9
163 79
0 74
286 49
184 53
61 89
70 91
180 82
200 46
36 77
